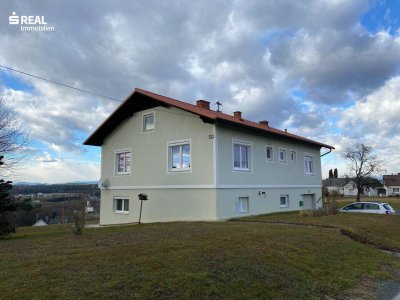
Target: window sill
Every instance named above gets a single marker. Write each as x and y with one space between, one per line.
241 170
122 174
284 206
180 170
121 212
269 160
243 212
308 174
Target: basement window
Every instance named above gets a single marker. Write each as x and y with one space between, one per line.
243 204
284 201
121 205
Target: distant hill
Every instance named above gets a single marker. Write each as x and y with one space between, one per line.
27 189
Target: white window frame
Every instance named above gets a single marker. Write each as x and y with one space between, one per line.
295 156
396 190
285 159
241 207
116 162
169 155
249 155
287 201
313 164
143 122
123 211
272 153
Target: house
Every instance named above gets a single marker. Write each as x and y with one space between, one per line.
194 163
346 187
392 184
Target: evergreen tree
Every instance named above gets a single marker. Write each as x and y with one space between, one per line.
335 173
7 205
330 173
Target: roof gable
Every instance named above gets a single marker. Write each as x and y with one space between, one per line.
140 100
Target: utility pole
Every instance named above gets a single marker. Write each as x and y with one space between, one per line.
63 218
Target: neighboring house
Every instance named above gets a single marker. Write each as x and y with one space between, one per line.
346 187
392 184
198 164
335 185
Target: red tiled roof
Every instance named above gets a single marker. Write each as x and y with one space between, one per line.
122 112
392 180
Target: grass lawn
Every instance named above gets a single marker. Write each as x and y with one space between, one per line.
381 231
231 260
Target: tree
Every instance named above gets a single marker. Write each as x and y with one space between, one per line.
13 138
362 164
335 173
330 173
7 205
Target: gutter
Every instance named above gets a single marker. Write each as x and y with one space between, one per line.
330 150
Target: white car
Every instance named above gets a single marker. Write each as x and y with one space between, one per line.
369 207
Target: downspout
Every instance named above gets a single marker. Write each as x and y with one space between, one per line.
330 150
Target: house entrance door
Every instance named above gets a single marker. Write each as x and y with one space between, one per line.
309 201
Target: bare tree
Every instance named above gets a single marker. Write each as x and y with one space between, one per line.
13 138
363 164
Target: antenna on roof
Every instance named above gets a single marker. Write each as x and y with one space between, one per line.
218 104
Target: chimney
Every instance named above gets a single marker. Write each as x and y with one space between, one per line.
285 130
203 104
237 114
264 123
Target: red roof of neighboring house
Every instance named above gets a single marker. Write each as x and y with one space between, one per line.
392 180
141 100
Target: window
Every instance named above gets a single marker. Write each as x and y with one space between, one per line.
293 156
284 201
308 165
241 156
148 122
123 162
179 156
243 204
371 206
121 205
269 153
395 190
282 155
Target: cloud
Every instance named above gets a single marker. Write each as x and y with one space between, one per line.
251 56
59 171
46 158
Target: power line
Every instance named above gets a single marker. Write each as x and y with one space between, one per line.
59 83
88 92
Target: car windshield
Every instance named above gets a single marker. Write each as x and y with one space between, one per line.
387 207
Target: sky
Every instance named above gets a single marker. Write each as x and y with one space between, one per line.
326 70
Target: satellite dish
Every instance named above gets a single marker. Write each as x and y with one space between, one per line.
104 183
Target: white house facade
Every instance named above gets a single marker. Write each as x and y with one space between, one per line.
347 187
392 184
194 163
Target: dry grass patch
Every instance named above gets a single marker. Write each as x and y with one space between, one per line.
187 261
378 230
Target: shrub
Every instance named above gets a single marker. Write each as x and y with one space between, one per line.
79 222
